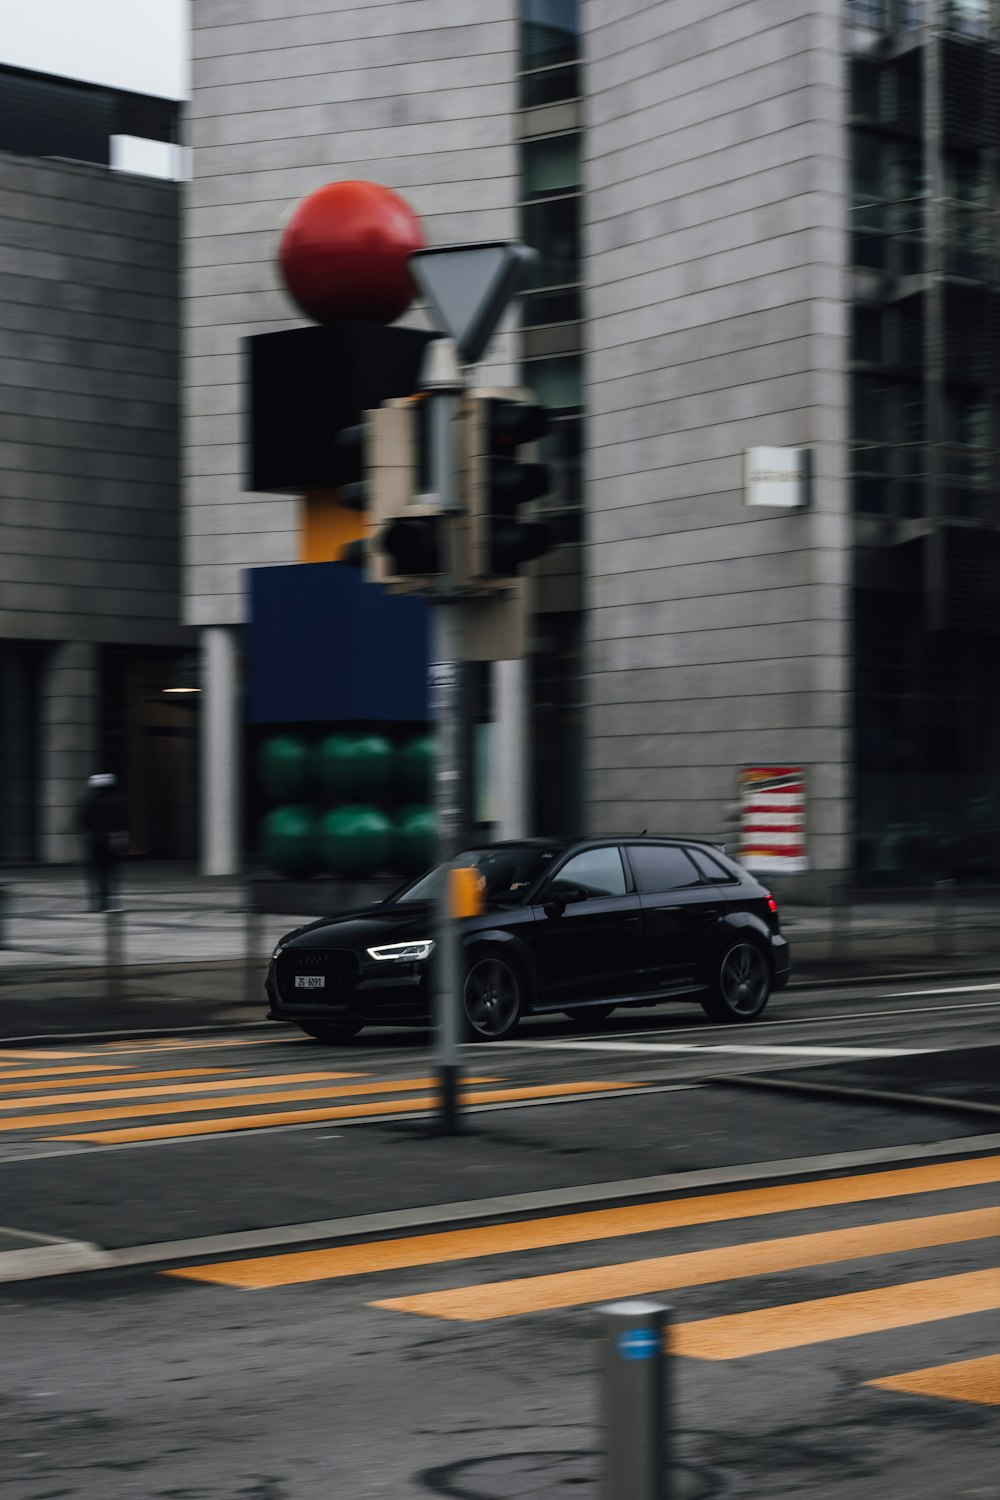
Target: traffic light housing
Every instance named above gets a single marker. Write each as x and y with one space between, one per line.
500 479
402 542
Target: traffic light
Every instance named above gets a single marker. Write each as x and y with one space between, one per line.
499 482
402 542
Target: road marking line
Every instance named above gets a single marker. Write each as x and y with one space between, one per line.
639 1278
83 1080
851 1315
43 1054
703 1049
39 1101
197 1045
542 1093
598 1224
974 1380
219 1101
958 989
9 1075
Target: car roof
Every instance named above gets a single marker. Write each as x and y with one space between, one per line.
571 842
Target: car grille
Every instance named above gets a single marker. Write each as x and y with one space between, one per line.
339 967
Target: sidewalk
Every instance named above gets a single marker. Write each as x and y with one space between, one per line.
186 950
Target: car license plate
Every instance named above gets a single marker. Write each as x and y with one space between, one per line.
310 981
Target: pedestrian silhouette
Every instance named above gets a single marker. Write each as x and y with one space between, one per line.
103 825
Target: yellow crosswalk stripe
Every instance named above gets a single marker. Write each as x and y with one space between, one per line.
826 1318
40 1101
338 1112
82 1080
217 1101
598 1224
507 1299
973 1380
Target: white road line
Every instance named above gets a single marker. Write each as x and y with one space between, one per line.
960 989
776 1051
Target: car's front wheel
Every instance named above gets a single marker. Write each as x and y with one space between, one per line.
740 985
331 1032
492 998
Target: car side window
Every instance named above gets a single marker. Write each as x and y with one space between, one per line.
597 871
713 869
662 867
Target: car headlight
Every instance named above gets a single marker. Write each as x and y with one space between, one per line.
406 953
278 951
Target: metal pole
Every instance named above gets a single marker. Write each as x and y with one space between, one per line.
3 915
443 384
114 931
635 1401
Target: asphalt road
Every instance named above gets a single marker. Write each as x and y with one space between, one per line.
306 1293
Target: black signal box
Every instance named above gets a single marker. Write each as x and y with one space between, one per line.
307 384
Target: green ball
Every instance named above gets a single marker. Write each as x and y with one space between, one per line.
355 840
284 768
414 840
286 838
354 766
415 768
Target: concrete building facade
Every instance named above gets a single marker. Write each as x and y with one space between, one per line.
693 174
89 629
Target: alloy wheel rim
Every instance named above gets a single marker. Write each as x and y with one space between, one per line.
492 997
744 979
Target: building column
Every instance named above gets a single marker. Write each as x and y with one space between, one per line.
68 742
512 756
220 751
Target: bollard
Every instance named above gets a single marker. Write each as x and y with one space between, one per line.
114 942
635 1397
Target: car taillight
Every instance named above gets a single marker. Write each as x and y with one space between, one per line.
772 905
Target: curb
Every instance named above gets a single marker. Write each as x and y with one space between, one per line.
865 1096
79 1256
56 1258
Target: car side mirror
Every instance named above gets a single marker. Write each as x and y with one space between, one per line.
563 894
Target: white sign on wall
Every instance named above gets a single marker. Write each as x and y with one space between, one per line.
776 476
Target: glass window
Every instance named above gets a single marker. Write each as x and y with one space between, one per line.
550 85
558 382
550 31
712 868
552 227
550 165
661 867
539 309
506 871
599 872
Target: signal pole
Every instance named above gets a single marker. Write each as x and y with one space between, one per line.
442 381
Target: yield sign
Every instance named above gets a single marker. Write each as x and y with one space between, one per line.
469 287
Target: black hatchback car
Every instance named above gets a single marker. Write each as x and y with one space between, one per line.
578 926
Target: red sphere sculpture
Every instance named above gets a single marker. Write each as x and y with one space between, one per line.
343 253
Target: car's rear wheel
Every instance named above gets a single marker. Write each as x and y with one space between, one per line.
741 983
492 997
331 1032
589 1015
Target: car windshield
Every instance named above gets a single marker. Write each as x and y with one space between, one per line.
508 871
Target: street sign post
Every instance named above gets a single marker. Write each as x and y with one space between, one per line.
468 288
